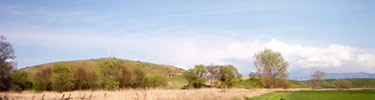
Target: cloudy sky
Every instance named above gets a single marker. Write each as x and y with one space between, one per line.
332 35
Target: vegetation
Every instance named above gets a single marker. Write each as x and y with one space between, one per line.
316 78
228 75
271 68
342 84
196 76
319 95
6 65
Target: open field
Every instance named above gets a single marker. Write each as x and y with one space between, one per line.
170 94
319 95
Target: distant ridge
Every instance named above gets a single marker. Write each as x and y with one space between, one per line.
336 76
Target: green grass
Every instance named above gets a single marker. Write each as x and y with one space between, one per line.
257 84
319 95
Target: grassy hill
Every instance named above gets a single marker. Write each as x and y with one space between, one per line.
173 74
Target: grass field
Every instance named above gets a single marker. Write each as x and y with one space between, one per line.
319 95
140 94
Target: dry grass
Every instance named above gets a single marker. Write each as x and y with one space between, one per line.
151 94
138 94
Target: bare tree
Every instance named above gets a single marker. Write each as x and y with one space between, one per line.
271 68
316 78
213 71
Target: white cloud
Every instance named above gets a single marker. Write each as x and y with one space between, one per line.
185 52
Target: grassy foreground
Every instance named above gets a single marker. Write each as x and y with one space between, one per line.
319 95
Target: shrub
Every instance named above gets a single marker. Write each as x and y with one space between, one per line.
155 81
19 81
62 78
342 84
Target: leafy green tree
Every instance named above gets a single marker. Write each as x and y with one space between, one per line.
20 80
228 75
62 78
6 63
190 76
139 78
80 78
196 77
110 70
42 80
271 68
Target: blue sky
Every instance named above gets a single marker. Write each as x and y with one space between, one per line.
332 35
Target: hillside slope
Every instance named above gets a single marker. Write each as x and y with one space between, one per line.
173 74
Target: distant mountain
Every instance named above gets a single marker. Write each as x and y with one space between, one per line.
349 75
295 76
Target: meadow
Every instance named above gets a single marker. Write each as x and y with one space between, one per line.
318 95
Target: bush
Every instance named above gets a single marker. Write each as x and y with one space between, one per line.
42 80
155 81
342 84
62 78
19 81
139 78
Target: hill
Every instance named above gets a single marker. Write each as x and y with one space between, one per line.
173 74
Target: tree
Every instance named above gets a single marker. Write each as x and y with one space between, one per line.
110 70
316 78
213 71
62 78
196 76
228 75
80 77
139 78
252 75
42 80
6 63
125 78
20 80
342 84
92 79
271 68
190 76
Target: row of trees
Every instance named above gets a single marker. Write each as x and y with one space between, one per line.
227 74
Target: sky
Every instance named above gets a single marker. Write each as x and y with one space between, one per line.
336 36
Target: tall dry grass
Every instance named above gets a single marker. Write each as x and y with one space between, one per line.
140 94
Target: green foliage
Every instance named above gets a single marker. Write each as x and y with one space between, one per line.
196 76
318 95
228 75
139 78
271 68
20 81
110 70
62 78
155 81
